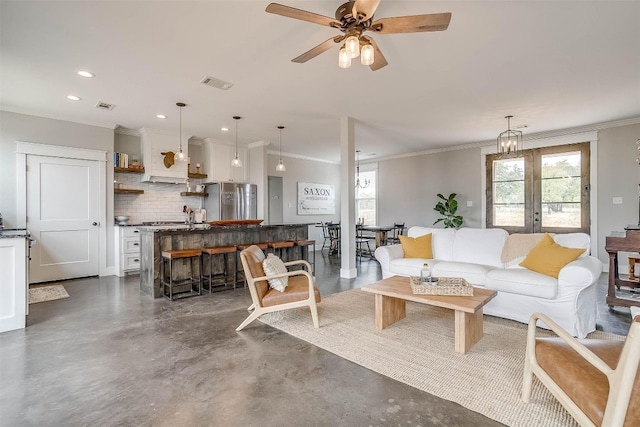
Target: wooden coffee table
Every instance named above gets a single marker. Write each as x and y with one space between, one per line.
392 294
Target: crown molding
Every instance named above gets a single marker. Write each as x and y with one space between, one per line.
126 131
297 156
259 143
27 112
531 137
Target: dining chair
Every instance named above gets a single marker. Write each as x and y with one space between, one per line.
325 235
361 240
398 230
334 235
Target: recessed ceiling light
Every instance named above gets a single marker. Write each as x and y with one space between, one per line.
224 129
74 98
161 116
86 74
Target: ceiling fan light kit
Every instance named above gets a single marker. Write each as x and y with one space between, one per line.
355 17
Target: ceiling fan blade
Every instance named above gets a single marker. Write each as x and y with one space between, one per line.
379 60
303 15
363 10
412 24
322 47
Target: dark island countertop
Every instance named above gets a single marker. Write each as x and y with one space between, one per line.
157 238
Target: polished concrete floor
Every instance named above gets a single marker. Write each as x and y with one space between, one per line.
107 356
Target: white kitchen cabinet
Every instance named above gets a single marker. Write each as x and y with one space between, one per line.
155 142
127 239
14 286
217 162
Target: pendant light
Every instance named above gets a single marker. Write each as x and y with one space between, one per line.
281 167
180 156
365 182
509 142
236 162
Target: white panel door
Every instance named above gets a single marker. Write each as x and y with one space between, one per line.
62 216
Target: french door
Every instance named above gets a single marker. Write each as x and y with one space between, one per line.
543 190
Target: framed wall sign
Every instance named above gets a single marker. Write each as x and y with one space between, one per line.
316 199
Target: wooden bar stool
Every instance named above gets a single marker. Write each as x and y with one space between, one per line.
211 253
305 246
239 271
174 255
279 247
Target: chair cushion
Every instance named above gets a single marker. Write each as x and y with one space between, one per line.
297 290
523 282
254 256
548 257
584 384
274 265
416 247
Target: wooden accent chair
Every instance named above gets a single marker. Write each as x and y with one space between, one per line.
597 381
300 292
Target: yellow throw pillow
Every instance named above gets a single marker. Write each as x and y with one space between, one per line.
418 247
548 257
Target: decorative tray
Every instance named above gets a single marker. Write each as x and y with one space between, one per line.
452 286
236 222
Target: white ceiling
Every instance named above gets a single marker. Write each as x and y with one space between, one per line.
551 64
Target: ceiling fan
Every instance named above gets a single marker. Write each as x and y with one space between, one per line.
353 19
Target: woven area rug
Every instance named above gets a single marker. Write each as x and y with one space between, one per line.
419 351
47 293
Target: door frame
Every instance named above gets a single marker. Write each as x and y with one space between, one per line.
23 149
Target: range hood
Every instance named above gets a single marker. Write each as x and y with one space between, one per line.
158 147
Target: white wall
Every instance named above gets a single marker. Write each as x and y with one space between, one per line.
21 127
407 187
301 170
618 176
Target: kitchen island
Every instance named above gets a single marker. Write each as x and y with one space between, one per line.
157 238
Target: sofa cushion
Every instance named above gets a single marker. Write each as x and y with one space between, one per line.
479 246
416 247
574 240
548 257
410 266
522 281
441 240
472 273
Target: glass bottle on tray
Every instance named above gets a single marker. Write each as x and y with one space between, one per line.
425 274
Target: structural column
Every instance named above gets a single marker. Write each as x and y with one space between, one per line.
347 198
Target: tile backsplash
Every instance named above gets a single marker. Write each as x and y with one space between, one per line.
160 201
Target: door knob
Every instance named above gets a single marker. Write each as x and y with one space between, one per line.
94 223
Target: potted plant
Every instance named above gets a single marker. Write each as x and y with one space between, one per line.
447 208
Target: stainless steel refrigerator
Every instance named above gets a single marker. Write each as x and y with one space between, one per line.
231 201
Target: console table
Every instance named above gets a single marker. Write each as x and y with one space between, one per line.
629 241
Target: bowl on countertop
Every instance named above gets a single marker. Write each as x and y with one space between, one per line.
122 219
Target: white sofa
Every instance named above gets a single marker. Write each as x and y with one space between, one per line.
475 255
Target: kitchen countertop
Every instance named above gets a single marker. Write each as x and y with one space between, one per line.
204 226
12 233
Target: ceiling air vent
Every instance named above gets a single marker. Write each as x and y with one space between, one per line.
105 106
217 83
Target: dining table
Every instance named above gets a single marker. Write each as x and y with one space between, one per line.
380 232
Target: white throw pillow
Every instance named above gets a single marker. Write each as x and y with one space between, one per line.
274 265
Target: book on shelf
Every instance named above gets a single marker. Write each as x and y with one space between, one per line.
121 160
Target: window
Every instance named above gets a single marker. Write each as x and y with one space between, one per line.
544 190
366 198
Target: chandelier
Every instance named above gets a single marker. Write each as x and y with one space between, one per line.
364 183
236 162
509 142
180 156
281 167
351 49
